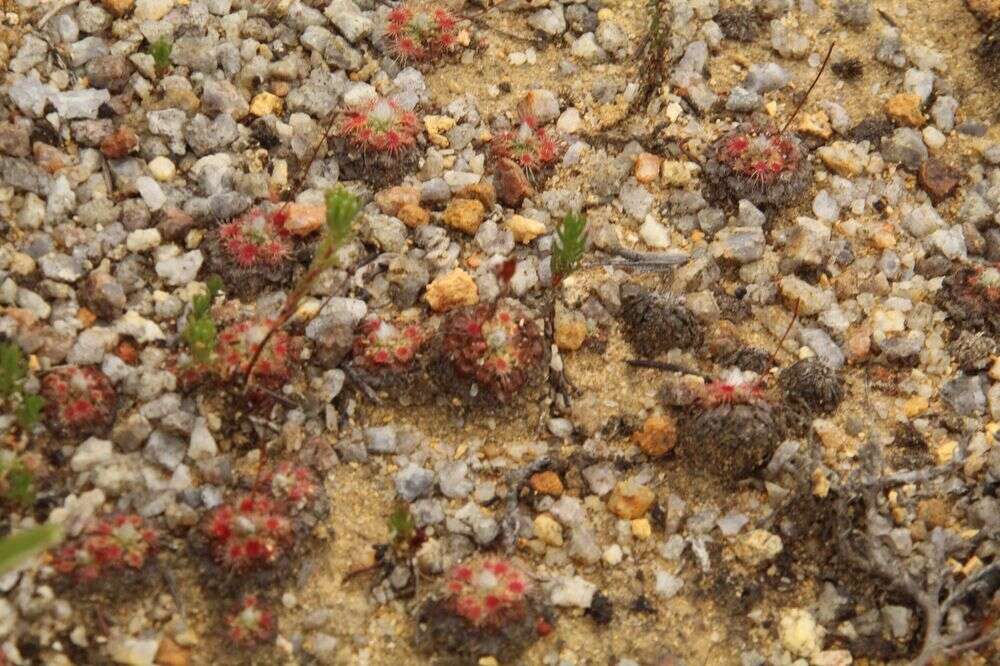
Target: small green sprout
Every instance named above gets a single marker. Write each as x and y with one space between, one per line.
13 369
160 50
200 333
17 549
29 411
570 242
17 481
402 526
27 407
404 535
341 209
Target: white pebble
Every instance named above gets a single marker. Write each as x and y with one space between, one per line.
933 137
151 192
141 240
162 168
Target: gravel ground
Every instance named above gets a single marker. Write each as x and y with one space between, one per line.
757 424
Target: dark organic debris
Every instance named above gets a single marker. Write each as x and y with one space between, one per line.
739 23
849 69
655 323
812 385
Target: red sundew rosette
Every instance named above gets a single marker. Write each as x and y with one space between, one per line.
496 348
110 551
388 357
252 624
380 127
417 33
79 401
256 239
237 345
529 146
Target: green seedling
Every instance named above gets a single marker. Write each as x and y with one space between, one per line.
201 334
17 481
13 369
27 407
570 243
160 50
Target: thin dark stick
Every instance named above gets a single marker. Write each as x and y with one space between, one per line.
795 316
297 184
663 365
809 91
361 384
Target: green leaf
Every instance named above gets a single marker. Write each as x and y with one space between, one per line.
160 50
20 484
200 334
570 243
214 284
341 209
402 526
13 369
202 303
17 549
30 410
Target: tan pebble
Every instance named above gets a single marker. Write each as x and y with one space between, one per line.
641 529
436 126
630 500
525 229
757 547
303 219
843 158
171 654
413 216
884 238
571 330
647 167
905 108
988 10
21 264
162 168
118 7
85 317
181 98
994 372
933 511
452 290
391 199
915 406
816 124
821 483
973 565
658 435
266 104
945 452
546 483
548 530
465 215
483 192
674 173
836 442
859 344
